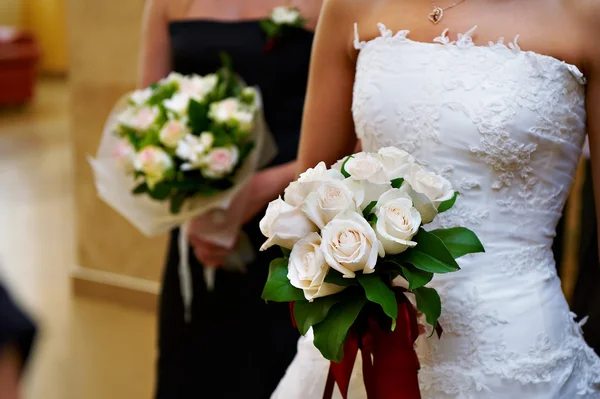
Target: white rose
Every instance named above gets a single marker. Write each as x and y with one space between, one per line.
124 155
330 199
350 244
285 15
178 104
140 119
366 192
198 87
396 162
364 166
397 221
307 268
220 162
154 162
284 225
193 149
244 119
223 111
309 181
139 97
427 190
173 132
173 77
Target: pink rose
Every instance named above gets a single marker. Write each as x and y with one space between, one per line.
220 162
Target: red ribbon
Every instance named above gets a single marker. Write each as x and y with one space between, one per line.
270 44
390 364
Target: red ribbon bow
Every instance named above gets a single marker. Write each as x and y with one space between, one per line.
389 361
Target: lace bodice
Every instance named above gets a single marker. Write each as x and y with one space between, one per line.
506 127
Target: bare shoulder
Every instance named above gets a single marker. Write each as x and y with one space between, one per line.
586 14
349 10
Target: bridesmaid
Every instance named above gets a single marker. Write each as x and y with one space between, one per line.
235 345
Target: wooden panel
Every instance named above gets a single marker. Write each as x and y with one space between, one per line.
103 52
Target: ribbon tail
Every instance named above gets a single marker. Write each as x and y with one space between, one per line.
395 361
185 275
342 371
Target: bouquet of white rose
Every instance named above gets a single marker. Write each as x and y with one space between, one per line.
354 244
181 148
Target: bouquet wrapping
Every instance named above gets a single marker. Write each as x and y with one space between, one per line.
355 241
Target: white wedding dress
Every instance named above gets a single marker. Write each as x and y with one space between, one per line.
506 126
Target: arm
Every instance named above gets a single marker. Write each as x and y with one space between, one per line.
155 57
10 366
327 126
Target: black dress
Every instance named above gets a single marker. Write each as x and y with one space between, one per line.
236 346
16 328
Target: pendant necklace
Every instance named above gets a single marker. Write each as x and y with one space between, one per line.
438 12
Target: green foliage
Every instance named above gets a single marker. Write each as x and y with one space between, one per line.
378 292
346 174
446 205
278 288
397 183
430 254
460 241
307 314
429 303
331 333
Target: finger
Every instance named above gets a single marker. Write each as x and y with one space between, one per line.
209 247
208 259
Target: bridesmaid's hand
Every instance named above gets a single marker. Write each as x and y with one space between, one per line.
207 253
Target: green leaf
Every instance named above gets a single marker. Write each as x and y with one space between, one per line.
372 219
429 303
337 278
343 169
430 254
331 333
160 192
416 278
198 116
397 183
177 202
286 252
270 28
444 206
278 288
140 188
378 292
369 209
460 241
307 314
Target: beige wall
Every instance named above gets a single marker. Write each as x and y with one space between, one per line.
11 12
47 20
103 47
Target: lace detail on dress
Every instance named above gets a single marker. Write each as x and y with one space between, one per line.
537 259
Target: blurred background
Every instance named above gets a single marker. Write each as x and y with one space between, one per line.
64 254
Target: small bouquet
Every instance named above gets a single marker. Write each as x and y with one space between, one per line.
181 148
280 18
354 243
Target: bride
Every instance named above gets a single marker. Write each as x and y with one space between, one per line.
504 120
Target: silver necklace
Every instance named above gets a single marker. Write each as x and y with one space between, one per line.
438 12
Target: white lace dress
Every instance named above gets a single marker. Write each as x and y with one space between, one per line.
506 127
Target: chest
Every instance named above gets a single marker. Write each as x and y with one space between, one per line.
543 26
